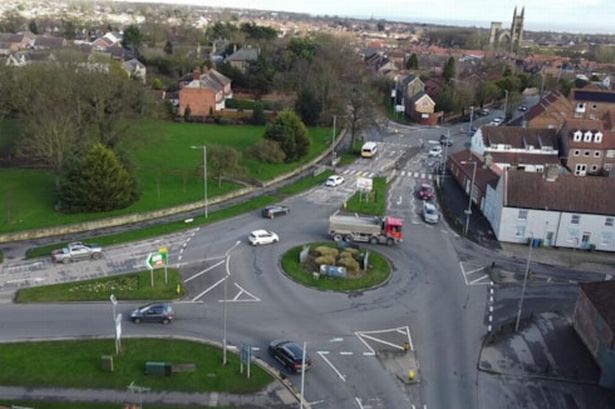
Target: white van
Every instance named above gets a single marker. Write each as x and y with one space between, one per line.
369 149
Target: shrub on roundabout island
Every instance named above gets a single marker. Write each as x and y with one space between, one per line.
307 271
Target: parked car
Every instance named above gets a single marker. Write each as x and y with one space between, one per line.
425 192
435 152
522 108
274 211
430 213
334 180
77 251
162 313
289 354
445 140
497 120
483 112
260 237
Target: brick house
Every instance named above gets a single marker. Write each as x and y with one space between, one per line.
594 322
550 112
592 103
205 93
461 167
418 105
588 148
242 58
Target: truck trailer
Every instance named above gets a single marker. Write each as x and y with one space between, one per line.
370 229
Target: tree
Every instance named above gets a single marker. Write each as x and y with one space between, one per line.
168 47
413 62
98 183
69 30
267 151
308 106
157 84
258 114
288 130
360 110
448 72
133 39
223 161
33 27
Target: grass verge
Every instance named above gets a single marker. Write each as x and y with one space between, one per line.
77 364
379 270
39 404
134 286
373 203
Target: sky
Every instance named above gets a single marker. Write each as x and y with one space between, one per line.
588 16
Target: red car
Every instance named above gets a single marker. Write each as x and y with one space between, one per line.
426 192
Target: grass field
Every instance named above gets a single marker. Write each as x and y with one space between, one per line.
373 203
77 364
36 404
378 271
168 172
134 286
160 229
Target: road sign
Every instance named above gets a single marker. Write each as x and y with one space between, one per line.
365 184
113 299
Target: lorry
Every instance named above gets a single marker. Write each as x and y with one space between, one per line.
76 251
370 229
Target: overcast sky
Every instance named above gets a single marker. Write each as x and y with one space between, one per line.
569 15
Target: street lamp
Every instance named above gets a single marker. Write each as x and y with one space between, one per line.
333 144
227 257
471 119
527 271
468 211
204 173
505 104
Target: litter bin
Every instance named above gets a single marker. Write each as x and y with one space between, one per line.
536 243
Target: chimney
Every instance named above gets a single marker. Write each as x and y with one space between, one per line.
551 173
196 74
488 160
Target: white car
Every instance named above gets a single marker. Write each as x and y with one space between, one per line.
435 151
334 180
497 120
430 213
260 237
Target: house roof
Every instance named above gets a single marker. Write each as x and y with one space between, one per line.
549 102
485 176
522 158
602 295
49 42
10 38
519 138
211 79
567 193
593 95
132 64
244 54
593 126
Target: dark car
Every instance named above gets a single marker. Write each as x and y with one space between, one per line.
153 313
274 211
445 140
289 354
426 192
522 108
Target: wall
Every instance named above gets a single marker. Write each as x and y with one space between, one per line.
603 237
200 101
538 223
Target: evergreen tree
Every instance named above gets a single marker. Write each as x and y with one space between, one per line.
258 114
292 135
308 106
33 27
413 62
133 39
97 183
449 69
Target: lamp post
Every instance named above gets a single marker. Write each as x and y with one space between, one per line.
227 257
505 104
333 144
204 174
468 211
527 271
471 119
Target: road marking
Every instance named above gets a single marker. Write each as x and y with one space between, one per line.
210 288
181 250
204 271
338 339
345 172
242 291
473 282
430 176
403 173
416 175
316 402
346 353
367 334
371 175
21 280
356 399
422 176
179 258
322 355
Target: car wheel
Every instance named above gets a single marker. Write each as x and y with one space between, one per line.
337 237
96 256
66 261
373 240
390 241
276 240
347 238
136 320
165 321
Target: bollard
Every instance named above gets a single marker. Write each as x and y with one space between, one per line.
411 375
406 346
178 290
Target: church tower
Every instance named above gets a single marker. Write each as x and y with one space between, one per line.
516 30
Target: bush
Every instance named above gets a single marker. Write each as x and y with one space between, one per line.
350 263
327 259
326 251
350 251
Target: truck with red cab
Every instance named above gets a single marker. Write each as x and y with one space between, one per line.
370 229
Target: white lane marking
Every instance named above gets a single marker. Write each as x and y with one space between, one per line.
480 279
316 402
345 172
366 334
181 250
322 355
356 399
21 280
204 271
242 291
416 174
463 273
345 353
338 339
429 177
403 173
422 176
210 288
179 258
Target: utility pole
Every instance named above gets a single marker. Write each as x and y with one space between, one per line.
468 211
505 105
204 175
333 144
471 118
527 271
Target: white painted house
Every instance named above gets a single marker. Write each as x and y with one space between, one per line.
560 210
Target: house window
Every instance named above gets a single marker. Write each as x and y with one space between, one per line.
597 154
580 169
608 221
598 137
606 239
594 168
594 106
610 153
520 231
575 218
586 153
587 137
577 152
522 214
608 167
577 136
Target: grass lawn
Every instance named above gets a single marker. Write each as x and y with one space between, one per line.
134 286
168 172
373 203
77 364
228 212
378 271
36 404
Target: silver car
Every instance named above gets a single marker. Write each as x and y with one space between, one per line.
430 213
